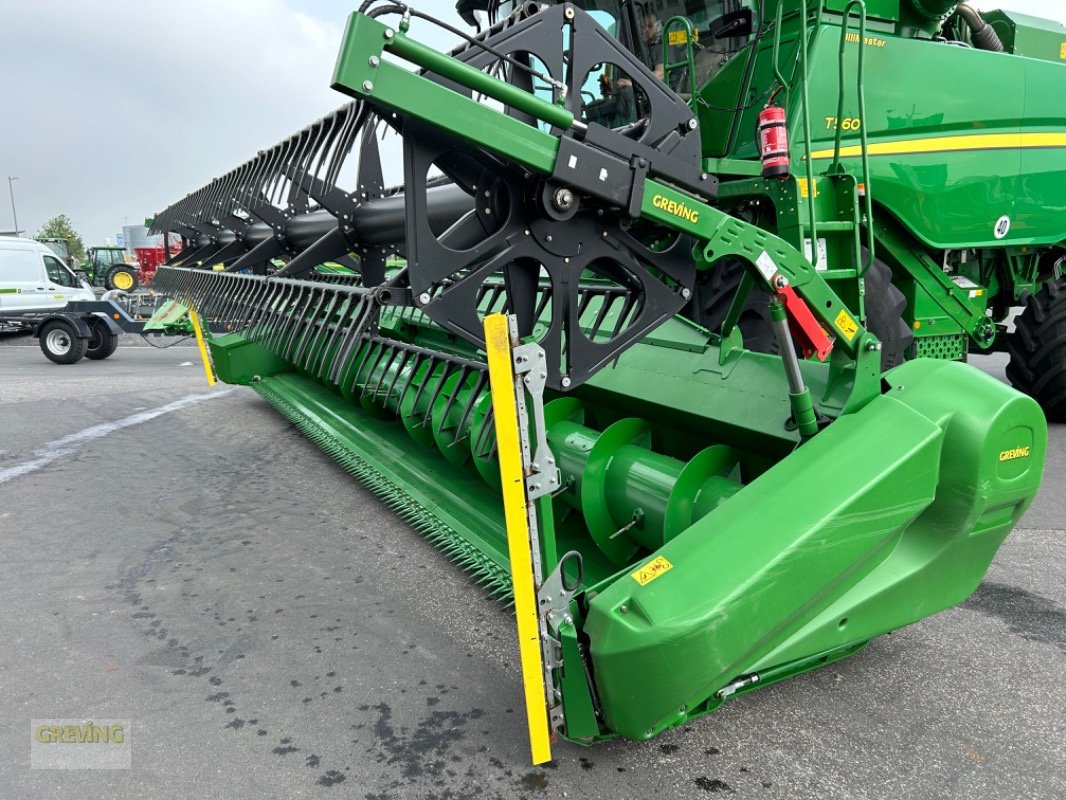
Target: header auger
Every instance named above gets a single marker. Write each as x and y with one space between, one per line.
527 316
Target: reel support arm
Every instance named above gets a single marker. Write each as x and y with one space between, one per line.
617 179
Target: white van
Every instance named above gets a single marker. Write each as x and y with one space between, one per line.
34 279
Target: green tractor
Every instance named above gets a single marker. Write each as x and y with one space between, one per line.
670 358
107 267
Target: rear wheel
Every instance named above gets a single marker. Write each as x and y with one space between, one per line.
60 343
1038 349
121 277
102 342
885 305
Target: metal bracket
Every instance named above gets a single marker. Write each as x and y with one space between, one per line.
530 364
553 610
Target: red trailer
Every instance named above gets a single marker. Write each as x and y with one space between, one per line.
150 258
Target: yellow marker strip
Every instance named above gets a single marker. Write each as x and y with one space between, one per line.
208 371
952 144
516 515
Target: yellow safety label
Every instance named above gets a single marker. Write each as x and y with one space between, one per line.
805 187
652 570
846 325
681 37
1062 51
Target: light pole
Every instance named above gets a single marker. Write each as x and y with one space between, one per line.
11 189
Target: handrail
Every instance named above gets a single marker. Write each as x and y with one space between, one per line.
690 56
806 102
778 74
837 168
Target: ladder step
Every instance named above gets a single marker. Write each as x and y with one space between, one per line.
835 227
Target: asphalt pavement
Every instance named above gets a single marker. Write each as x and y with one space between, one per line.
182 558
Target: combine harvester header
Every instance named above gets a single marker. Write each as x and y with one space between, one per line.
504 351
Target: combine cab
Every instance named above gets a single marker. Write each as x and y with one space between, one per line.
517 350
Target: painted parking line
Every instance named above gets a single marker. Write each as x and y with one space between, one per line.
67 445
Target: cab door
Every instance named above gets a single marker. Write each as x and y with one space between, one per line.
62 285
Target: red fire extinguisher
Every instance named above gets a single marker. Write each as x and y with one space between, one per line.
773 142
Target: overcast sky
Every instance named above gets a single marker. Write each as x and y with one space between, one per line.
117 108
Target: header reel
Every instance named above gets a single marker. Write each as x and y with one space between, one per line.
582 274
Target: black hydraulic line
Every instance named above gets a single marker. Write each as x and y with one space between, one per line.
983 35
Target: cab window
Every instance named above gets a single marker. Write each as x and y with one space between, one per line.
720 29
58 274
19 266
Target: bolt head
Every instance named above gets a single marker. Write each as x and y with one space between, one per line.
423 298
563 199
565 382
693 124
686 293
389 33
374 61
368 86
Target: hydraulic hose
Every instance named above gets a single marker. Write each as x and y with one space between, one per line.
983 35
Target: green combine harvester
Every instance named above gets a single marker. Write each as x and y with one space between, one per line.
660 333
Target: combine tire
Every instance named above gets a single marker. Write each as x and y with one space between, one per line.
121 277
1038 349
713 296
60 343
102 342
885 305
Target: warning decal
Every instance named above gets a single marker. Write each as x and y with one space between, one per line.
652 570
846 325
